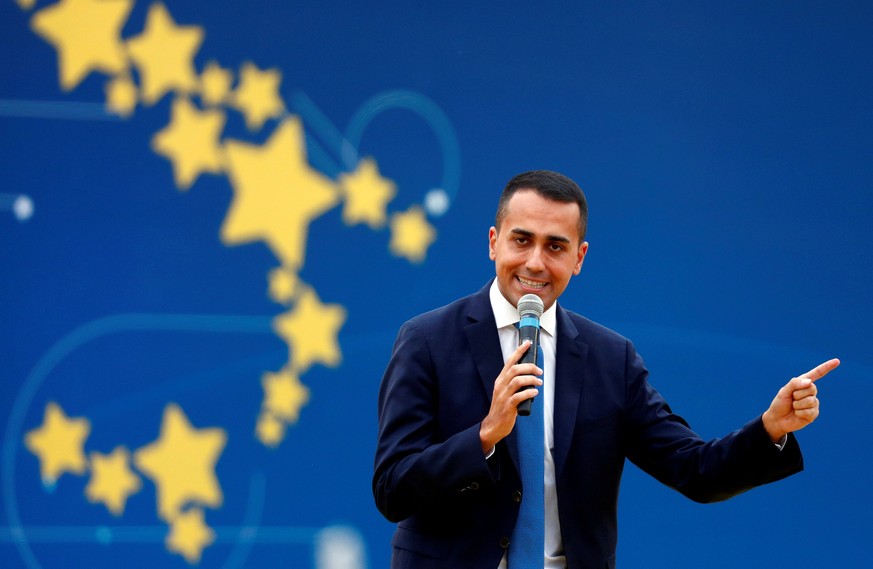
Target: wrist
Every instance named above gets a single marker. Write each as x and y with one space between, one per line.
773 431
486 438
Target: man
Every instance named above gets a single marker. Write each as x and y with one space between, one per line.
447 461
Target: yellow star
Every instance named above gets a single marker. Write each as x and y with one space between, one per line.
59 443
26 4
112 481
87 35
284 395
164 54
311 330
215 82
121 95
189 535
411 234
270 430
257 95
190 141
283 285
276 194
367 193
182 463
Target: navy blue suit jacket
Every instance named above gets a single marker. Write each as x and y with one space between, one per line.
456 510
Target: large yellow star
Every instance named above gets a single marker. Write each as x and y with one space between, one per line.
190 141
411 234
164 54
59 443
87 35
284 395
182 463
112 481
276 194
215 82
366 193
189 535
311 330
258 95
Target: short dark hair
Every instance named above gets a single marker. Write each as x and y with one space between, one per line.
550 185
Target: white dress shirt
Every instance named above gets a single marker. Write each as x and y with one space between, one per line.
506 316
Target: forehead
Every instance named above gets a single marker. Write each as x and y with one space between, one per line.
532 213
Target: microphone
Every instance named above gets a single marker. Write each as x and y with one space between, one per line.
530 308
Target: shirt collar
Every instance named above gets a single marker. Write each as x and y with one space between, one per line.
505 314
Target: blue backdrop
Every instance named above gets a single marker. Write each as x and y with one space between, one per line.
214 216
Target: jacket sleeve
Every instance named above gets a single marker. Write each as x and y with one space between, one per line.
662 444
417 466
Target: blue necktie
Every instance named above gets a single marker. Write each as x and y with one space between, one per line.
528 539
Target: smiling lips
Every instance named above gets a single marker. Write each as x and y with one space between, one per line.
529 283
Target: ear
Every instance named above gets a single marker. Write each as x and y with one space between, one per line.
580 257
492 243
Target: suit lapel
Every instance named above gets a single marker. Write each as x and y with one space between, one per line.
571 356
481 331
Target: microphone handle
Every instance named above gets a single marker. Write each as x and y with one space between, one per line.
530 357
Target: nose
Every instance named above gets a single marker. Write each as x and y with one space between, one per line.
534 261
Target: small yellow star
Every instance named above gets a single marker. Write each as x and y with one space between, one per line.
190 141
87 35
257 95
182 463
59 443
26 4
164 54
112 481
283 284
311 330
276 194
215 82
189 535
270 430
411 234
284 395
367 193
121 95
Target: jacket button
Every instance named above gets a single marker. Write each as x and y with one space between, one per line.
474 486
516 496
504 542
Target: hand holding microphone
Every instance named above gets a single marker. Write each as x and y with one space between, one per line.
505 407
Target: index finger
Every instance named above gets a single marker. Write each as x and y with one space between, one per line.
821 370
517 354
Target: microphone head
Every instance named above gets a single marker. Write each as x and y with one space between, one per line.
530 305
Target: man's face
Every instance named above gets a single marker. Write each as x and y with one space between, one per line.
537 249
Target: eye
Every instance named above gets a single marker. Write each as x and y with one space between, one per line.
521 240
557 247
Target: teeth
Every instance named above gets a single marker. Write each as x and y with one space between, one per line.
530 284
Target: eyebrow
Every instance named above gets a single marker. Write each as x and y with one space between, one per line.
526 233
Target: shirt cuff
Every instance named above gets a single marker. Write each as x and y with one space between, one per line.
780 445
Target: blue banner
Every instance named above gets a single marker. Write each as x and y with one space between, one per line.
214 217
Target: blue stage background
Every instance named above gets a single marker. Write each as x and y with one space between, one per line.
725 149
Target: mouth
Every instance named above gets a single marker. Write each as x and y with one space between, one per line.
530 284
